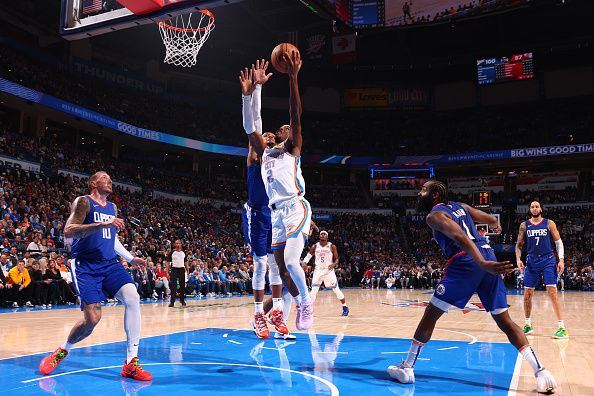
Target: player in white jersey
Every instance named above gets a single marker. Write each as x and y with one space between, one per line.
285 187
326 260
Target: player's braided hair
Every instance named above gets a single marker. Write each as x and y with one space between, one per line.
441 189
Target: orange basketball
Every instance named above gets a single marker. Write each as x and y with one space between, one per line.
277 56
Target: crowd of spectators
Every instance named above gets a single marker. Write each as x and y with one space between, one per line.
395 132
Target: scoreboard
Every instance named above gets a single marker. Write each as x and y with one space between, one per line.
505 68
481 199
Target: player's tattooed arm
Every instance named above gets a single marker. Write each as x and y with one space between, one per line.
74 225
519 244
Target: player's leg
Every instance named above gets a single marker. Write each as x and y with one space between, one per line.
550 278
173 286
316 281
332 282
275 316
531 279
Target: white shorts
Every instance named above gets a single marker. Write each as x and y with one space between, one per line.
290 220
327 276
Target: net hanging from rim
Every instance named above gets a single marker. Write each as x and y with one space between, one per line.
184 35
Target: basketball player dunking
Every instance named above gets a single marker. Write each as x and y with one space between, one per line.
471 267
326 260
285 187
540 261
96 271
256 216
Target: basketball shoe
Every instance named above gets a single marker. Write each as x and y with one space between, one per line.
135 371
545 383
402 373
528 329
305 315
561 333
259 326
282 336
345 310
49 363
275 317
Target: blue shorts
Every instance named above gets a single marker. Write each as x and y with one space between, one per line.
537 267
257 229
463 277
96 281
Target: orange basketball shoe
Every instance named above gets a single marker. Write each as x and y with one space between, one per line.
49 363
259 326
135 371
275 317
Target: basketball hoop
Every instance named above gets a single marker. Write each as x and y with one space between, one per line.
184 35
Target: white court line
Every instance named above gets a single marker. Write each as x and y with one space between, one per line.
196 343
225 335
235 342
513 386
272 349
473 338
423 359
333 389
337 352
445 349
387 353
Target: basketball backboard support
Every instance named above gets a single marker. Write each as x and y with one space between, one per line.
85 18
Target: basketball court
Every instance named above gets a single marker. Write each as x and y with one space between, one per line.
207 347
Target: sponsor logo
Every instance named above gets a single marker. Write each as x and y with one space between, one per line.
440 290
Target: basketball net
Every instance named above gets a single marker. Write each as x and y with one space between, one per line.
184 36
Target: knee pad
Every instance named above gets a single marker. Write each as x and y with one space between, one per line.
274 276
259 277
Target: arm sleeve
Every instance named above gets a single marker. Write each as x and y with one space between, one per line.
257 107
248 119
121 250
560 248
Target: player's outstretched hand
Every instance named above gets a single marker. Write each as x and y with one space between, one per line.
246 77
560 266
520 265
293 61
116 222
496 229
260 76
497 267
138 261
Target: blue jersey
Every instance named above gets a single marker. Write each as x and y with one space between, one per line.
459 215
99 245
257 196
538 238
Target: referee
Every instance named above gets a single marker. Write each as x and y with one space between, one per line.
177 271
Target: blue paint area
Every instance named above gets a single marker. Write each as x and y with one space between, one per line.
225 362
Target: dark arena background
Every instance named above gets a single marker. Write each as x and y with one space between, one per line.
495 98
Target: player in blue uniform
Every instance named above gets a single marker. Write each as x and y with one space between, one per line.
471 267
257 223
98 274
540 262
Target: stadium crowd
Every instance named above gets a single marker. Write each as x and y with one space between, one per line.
375 250
537 124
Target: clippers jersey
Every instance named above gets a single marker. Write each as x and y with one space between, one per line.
281 173
257 196
99 246
459 215
538 238
323 256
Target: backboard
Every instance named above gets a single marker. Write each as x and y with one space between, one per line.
85 18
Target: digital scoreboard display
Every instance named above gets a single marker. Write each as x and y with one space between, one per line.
505 68
481 199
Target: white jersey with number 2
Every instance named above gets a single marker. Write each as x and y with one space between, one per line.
281 173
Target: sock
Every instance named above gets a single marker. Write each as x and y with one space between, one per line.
258 307
131 351
561 324
413 352
297 299
67 346
277 303
529 356
528 321
344 304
